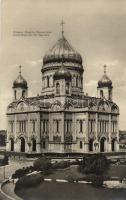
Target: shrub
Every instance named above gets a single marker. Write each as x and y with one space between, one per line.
94 164
76 162
29 181
43 164
21 172
70 179
97 180
95 167
61 165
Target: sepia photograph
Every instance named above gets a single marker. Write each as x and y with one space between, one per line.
62 100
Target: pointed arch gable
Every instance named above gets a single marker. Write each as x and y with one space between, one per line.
56 105
68 105
22 105
92 105
114 108
34 106
104 106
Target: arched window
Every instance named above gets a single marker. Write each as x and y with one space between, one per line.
77 81
102 144
101 93
15 94
110 95
81 145
11 144
81 125
22 144
74 81
113 144
57 88
81 82
23 93
33 145
47 81
67 88
44 144
91 145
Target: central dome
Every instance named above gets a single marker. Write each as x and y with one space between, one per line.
62 48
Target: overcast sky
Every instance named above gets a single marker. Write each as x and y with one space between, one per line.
96 29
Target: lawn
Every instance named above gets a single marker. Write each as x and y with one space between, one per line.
70 191
72 171
73 191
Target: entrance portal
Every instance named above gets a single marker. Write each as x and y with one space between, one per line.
11 144
33 145
22 144
113 145
91 145
102 144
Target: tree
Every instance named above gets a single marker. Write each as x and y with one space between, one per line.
43 164
96 165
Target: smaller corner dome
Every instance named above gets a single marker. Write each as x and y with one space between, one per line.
105 80
20 81
62 73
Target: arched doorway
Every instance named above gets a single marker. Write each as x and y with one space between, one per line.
11 144
33 145
113 145
91 145
102 144
22 144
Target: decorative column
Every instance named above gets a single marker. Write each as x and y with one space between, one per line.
62 132
38 134
16 145
96 144
109 134
73 130
87 133
28 132
117 145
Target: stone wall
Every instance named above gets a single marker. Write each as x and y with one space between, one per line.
7 170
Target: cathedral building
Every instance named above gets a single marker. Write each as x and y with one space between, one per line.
63 118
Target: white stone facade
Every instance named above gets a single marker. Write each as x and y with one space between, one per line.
63 119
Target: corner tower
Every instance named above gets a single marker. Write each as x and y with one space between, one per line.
105 87
20 87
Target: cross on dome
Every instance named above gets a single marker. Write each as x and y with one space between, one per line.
62 24
20 69
105 69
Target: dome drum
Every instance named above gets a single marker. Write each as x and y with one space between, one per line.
62 73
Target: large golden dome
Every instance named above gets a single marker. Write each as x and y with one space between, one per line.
62 48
